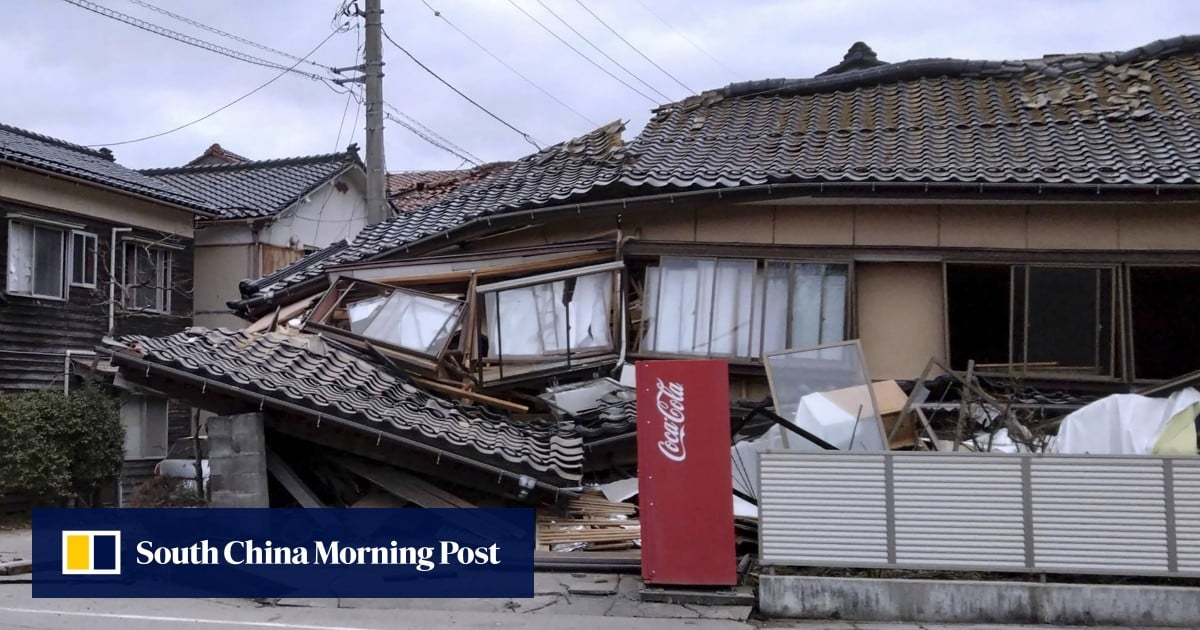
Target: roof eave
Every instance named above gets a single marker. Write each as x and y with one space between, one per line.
115 189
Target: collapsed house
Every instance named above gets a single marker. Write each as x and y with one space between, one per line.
1032 221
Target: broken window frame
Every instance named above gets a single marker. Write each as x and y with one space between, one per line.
1110 362
344 287
571 357
759 309
783 392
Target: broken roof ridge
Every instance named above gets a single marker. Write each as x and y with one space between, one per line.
217 152
102 153
1048 65
350 154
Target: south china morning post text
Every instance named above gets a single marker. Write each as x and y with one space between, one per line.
284 553
250 552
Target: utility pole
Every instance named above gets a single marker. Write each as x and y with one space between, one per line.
377 206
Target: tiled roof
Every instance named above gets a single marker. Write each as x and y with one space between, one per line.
217 154
1112 118
23 147
253 189
410 190
305 371
559 172
1098 119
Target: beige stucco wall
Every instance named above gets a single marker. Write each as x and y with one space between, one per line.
900 317
1074 226
49 192
219 269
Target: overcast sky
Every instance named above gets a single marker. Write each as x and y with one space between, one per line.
89 79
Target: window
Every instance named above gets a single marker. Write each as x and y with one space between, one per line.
1032 317
1165 337
741 308
415 323
83 259
571 315
145 421
147 277
36 260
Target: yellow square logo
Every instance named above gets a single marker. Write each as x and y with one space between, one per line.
91 552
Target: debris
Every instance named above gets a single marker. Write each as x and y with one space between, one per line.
824 390
1131 424
590 522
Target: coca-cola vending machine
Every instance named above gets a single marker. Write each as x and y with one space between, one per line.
684 473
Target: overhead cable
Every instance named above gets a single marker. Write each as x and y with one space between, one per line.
524 78
217 31
687 39
635 48
223 107
580 53
459 92
601 50
189 40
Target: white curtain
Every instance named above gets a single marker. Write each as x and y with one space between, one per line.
532 321
734 308
20 258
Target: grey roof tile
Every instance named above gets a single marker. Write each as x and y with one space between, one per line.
305 371
27 148
1098 118
255 188
559 172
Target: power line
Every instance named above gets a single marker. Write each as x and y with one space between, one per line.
687 39
485 110
510 68
635 48
217 31
461 152
223 107
189 40
601 51
234 54
580 53
349 96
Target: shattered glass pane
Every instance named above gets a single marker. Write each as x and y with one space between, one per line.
417 322
826 391
361 312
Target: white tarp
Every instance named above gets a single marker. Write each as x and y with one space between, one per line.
1126 424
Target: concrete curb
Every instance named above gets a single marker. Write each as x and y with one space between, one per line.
946 601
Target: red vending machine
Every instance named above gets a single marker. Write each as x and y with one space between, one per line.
685 473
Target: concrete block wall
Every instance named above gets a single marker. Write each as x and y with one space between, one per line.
237 459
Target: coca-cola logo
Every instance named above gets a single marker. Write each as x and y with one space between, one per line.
669 402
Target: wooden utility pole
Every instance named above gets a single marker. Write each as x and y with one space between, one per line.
377 207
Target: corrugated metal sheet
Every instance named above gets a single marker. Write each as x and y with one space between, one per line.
958 510
825 510
1060 514
1186 492
1099 513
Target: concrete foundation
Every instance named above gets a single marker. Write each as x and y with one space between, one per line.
946 601
237 460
